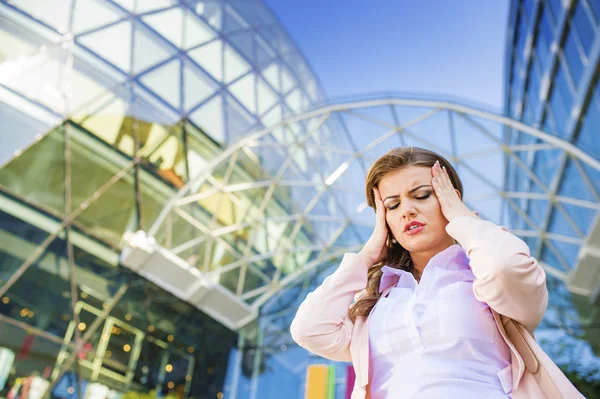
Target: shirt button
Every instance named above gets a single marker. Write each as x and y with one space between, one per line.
419 310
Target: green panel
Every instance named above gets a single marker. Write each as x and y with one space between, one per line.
331 382
38 174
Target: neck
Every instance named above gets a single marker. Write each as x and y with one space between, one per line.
421 259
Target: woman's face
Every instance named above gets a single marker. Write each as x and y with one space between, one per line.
408 196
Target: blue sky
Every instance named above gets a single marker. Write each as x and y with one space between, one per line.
454 48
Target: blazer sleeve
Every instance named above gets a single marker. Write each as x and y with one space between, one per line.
322 325
507 278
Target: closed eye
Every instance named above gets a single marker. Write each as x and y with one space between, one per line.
421 198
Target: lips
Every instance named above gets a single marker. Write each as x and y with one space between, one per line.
413 223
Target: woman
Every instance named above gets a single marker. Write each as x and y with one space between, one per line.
432 318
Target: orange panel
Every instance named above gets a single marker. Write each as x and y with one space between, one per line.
316 381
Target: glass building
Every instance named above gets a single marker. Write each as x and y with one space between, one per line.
552 60
172 187
107 109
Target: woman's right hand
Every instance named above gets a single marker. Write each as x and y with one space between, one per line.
376 247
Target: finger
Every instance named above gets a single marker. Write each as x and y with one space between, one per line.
380 208
447 179
438 189
439 175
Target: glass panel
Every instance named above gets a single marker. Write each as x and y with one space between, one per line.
533 88
595 7
266 97
210 11
556 7
165 81
587 139
558 224
537 211
239 122
22 174
18 131
271 73
244 90
573 57
197 86
529 8
54 13
582 22
550 258
516 87
102 43
169 24
235 65
545 38
149 5
583 217
573 185
111 214
244 44
196 31
210 57
287 81
149 49
92 14
561 101
209 118
568 252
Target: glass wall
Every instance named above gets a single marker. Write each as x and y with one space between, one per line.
552 82
107 109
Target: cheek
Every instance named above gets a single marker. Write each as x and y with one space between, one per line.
393 221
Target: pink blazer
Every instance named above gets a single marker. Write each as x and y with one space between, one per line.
507 278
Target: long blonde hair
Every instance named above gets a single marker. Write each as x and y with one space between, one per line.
397 257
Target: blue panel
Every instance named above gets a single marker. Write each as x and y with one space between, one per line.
587 139
545 36
573 56
556 7
573 184
582 22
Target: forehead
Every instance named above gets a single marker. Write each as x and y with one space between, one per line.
402 180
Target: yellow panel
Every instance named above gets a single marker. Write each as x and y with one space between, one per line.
106 124
316 381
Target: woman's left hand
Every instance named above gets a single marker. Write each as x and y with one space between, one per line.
449 198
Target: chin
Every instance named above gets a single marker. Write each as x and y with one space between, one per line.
420 244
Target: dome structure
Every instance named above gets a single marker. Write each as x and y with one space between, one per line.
290 198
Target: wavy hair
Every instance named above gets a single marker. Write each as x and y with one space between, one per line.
397 257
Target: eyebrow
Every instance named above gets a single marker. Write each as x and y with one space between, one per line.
410 191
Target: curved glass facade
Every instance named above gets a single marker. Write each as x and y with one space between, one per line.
107 109
552 82
169 193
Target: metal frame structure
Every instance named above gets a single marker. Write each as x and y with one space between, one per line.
339 160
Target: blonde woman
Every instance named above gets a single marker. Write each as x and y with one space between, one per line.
439 303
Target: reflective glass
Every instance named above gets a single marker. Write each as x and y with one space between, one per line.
573 56
557 8
21 175
595 7
587 139
545 38
582 22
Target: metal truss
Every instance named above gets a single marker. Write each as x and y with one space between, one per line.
287 199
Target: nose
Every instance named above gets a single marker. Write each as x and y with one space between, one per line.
408 210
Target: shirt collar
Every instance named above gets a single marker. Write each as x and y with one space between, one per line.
453 257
